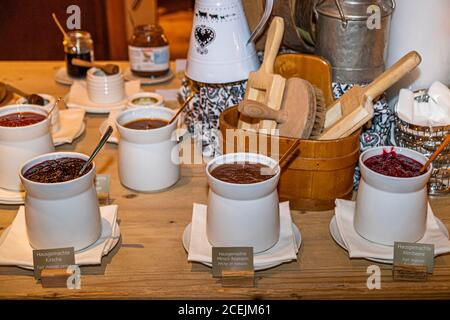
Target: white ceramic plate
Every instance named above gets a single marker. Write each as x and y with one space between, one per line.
334 230
9 197
99 108
62 77
128 75
297 235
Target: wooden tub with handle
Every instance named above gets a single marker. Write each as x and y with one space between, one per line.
317 173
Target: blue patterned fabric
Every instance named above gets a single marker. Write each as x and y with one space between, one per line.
202 114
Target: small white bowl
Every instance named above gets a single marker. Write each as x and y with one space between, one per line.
158 100
105 89
49 103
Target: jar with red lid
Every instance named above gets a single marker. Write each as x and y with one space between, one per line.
148 51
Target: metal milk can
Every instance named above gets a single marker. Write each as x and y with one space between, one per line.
353 36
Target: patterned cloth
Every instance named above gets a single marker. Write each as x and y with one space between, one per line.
202 114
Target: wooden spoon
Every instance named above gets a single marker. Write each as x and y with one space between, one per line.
109 68
60 26
31 98
3 91
435 154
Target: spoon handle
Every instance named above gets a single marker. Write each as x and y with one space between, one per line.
82 63
436 153
287 154
105 137
185 103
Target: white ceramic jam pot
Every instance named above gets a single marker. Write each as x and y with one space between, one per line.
390 209
48 106
243 215
64 214
19 144
148 159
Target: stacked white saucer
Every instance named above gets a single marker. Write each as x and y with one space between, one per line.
343 232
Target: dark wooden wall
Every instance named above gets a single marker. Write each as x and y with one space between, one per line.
27 30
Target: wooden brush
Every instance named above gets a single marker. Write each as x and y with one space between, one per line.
321 111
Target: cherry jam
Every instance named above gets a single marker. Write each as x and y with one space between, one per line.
393 164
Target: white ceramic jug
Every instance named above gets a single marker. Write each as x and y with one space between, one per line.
423 26
220 50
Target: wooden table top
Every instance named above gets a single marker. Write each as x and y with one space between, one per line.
151 261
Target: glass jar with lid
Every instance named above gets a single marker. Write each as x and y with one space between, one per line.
79 45
148 51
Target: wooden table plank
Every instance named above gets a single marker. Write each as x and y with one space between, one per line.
152 262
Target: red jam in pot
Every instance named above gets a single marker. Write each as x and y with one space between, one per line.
394 165
58 170
21 119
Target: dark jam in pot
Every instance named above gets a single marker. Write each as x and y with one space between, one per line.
394 165
146 124
21 119
58 170
241 173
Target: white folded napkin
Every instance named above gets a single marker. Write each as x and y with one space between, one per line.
71 123
11 197
15 249
78 97
284 250
440 94
435 112
358 247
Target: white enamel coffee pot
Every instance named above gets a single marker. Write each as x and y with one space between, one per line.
221 50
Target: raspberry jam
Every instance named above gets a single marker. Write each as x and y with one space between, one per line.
58 170
394 165
21 119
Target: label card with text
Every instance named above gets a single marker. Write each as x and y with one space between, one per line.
231 259
414 254
59 258
102 182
